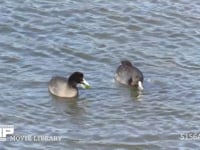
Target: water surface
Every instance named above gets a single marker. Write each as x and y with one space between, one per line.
39 39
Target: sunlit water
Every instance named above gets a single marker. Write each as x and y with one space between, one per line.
42 38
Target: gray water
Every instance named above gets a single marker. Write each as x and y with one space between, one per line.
43 38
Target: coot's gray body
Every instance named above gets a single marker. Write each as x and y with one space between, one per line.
66 87
128 74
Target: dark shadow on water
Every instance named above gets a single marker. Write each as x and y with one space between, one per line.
74 99
67 105
135 92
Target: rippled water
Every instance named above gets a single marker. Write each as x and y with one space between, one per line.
39 39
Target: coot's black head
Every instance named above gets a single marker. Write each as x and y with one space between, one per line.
136 79
76 77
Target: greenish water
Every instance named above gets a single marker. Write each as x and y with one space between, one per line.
39 39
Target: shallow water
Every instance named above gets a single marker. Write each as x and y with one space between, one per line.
39 39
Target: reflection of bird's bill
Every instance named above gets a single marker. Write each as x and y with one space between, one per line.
85 84
140 86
